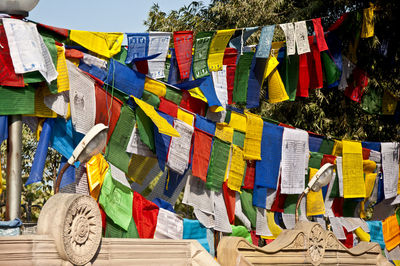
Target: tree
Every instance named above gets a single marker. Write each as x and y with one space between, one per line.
326 111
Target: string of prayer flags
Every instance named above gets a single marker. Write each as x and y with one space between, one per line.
119 209
183 43
102 43
391 232
267 170
367 29
125 79
217 166
240 41
252 141
145 214
319 34
353 176
8 77
236 169
241 77
264 45
217 49
294 160
163 126
116 148
96 168
201 47
179 149
158 44
36 174
289 31
390 168
201 153
162 141
301 35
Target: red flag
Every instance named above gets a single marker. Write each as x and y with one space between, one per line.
168 107
183 42
250 173
201 153
230 56
304 78
230 199
192 104
61 31
319 34
230 81
279 202
315 66
356 88
7 72
108 109
144 214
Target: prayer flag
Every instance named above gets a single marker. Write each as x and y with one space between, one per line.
102 43
240 41
158 44
183 43
252 141
217 49
353 177
319 34
201 153
14 101
241 77
201 46
264 45
96 168
217 166
162 142
367 29
300 32
236 169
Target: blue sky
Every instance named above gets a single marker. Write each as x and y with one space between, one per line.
100 15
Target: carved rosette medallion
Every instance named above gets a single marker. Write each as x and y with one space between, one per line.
317 241
82 231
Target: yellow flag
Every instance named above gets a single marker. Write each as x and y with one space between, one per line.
272 63
198 94
217 49
252 139
362 235
139 167
337 148
398 184
389 103
224 132
236 169
353 176
238 121
96 168
367 29
155 87
106 44
163 126
273 227
276 89
275 47
391 232
62 78
41 110
370 177
315 200
186 117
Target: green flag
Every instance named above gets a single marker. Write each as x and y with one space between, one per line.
14 101
241 231
217 165
145 127
249 210
116 148
116 201
115 231
242 77
201 46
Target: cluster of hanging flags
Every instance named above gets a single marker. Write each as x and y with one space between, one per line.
169 115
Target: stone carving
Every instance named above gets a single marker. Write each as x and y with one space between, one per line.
307 244
75 223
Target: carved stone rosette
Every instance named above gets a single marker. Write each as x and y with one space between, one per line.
74 221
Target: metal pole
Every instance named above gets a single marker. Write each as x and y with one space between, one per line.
14 182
